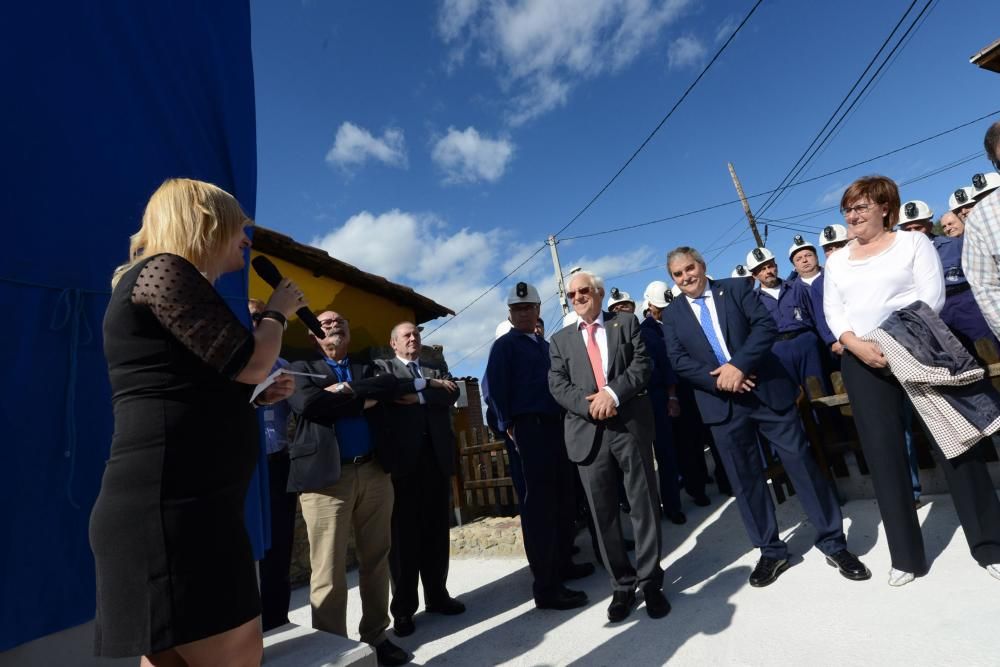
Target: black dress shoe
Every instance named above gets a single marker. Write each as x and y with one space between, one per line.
403 626
621 605
562 598
767 571
577 571
448 607
656 602
676 517
388 653
849 565
702 500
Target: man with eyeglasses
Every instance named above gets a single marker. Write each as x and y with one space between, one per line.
340 460
981 254
599 372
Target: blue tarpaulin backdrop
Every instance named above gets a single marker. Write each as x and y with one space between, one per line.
102 101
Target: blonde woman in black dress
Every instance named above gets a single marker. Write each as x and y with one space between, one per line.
175 572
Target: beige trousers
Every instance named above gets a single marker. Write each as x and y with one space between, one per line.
362 499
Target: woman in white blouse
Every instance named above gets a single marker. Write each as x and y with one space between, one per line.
881 271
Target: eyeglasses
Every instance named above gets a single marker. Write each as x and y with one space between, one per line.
332 322
858 208
582 291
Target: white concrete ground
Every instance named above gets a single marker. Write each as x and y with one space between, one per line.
810 616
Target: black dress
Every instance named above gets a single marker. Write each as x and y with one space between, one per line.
174 562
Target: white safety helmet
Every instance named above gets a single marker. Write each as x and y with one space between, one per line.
740 272
503 328
832 234
961 198
523 293
799 243
658 294
617 296
915 211
983 184
758 257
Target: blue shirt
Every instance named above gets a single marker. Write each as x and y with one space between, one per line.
793 309
950 251
274 420
822 328
353 435
517 375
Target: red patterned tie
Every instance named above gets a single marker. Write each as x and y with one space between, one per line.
594 353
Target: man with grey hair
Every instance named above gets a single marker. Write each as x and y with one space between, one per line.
981 254
423 463
719 337
598 374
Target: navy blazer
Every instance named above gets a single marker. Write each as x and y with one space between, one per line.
749 332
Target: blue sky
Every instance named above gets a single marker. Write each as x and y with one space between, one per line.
439 143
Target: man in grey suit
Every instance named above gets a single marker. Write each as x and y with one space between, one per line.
422 465
598 374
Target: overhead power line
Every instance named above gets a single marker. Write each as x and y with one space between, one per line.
824 135
811 179
659 125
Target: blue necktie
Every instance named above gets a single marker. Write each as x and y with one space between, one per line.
705 318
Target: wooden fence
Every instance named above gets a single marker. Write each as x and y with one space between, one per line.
482 485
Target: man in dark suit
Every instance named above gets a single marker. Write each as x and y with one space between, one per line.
719 337
598 374
339 461
423 462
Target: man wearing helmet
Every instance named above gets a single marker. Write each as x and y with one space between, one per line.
962 201
960 311
802 255
791 306
517 376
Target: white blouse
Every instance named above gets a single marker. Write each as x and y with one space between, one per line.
859 294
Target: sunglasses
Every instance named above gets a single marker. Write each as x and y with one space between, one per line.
582 291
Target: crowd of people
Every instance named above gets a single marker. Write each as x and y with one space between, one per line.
611 414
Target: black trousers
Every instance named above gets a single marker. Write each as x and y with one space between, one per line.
877 401
420 544
275 588
618 450
548 506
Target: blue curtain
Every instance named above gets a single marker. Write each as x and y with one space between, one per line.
102 101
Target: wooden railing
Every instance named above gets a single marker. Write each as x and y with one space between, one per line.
482 485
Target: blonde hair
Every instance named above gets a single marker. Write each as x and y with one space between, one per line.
185 217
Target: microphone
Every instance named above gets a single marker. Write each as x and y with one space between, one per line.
269 273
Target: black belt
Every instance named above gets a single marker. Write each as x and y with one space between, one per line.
537 417
950 290
791 334
358 460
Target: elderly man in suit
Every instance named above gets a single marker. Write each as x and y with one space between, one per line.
339 460
598 374
424 462
719 337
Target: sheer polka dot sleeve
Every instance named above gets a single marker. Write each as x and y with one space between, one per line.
187 306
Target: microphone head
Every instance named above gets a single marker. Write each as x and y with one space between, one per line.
266 269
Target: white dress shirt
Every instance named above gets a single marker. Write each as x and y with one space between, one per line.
419 382
809 281
601 334
709 302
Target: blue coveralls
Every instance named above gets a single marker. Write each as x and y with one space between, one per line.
517 375
961 312
797 345
663 444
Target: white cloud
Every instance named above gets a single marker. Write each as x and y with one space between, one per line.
468 157
354 145
726 28
541 48
832 194
454 266
685 51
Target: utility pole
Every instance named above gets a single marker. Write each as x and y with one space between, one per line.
746 206
551 241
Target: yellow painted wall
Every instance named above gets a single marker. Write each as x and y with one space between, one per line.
372 317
